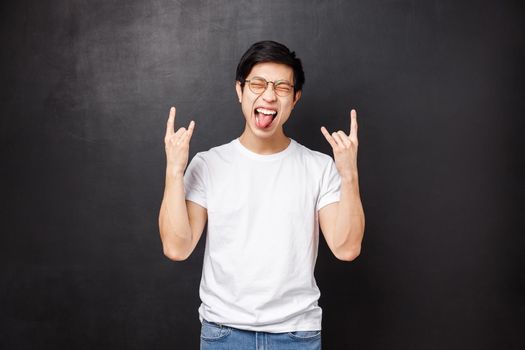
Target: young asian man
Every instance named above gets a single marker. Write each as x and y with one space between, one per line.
264 196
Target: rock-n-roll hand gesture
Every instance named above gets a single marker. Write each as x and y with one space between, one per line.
177 145
345 148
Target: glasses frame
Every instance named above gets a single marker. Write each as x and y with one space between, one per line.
275 83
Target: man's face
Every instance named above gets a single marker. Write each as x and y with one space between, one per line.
260 109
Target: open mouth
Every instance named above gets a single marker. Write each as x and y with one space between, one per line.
264 117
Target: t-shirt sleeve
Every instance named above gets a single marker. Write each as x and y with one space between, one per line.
330 186
195 181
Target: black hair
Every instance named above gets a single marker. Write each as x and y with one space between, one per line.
270 51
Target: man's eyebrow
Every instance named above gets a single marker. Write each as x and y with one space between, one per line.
277 80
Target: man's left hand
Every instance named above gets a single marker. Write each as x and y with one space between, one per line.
345 148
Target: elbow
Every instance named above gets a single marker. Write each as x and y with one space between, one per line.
174 254
349 254
171 249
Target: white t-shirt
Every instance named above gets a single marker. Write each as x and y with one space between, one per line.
263 234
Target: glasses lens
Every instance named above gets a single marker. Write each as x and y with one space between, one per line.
257 85
283 88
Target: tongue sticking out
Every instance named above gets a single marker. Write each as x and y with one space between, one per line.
263 120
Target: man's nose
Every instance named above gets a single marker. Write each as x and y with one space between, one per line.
269 94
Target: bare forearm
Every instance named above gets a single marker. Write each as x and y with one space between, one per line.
174 226
350 220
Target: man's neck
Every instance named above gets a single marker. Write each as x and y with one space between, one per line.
265 146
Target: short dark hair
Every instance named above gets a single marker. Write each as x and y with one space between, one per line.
270 51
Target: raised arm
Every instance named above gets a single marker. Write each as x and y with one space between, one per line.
181 222
343 223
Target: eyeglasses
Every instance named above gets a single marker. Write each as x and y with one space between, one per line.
259 85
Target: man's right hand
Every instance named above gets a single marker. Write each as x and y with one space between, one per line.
177 145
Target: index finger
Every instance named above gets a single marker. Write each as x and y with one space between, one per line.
189 132
328 137
171 122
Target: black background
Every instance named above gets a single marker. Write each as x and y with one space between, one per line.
86 89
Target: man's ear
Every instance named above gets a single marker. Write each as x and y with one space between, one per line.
239 90
297 96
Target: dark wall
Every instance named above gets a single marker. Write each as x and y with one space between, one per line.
86 89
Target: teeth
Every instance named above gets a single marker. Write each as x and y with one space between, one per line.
266 111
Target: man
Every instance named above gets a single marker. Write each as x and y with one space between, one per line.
264 196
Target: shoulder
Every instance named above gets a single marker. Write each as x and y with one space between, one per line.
313 157
223 151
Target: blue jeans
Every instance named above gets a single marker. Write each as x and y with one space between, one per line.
220 337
